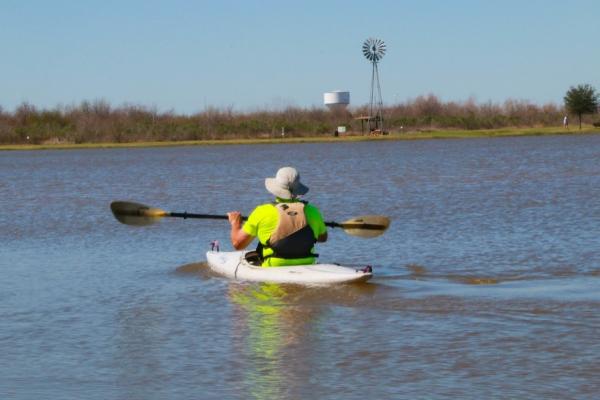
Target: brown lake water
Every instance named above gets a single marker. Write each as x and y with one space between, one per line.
487 284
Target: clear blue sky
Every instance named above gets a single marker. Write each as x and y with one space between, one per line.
187 55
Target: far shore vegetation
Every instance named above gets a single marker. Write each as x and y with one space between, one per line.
416 135
98 124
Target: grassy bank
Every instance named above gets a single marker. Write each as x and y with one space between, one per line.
100 124
503 132
412 135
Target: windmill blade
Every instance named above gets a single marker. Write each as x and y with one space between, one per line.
368 48
373 49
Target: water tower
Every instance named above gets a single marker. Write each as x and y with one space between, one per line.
337 100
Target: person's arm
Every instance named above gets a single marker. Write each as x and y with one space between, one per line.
239 239
319 225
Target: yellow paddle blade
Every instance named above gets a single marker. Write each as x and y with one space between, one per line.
366 226
136 214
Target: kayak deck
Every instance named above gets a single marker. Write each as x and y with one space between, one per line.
234 265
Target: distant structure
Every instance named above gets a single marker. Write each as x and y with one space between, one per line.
337 100
374 50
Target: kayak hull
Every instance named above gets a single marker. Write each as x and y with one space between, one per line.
234 265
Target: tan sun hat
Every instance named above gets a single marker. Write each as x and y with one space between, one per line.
286 184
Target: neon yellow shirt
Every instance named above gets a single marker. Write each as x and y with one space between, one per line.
262 222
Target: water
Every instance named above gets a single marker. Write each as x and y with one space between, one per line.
487 282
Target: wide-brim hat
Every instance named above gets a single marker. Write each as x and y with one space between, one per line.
286 184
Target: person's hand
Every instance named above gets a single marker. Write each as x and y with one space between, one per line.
235 219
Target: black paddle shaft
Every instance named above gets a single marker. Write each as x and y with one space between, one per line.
330 224
186 215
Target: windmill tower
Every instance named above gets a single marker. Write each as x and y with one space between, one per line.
374 50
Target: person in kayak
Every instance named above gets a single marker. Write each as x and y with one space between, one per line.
287 229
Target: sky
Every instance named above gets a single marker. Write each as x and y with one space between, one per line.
187 56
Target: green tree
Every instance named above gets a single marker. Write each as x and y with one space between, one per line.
582 99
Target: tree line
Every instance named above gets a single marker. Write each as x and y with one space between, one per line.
98 121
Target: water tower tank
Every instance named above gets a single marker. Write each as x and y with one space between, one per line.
336 100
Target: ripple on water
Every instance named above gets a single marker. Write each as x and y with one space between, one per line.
486 283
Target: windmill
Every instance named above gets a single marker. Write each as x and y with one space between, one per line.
374 50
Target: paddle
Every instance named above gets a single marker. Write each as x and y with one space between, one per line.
136 214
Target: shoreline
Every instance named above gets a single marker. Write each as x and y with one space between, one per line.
414 135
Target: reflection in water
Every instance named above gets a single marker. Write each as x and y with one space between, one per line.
138 349
278 328
272 331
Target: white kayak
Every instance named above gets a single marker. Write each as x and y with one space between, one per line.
234 265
